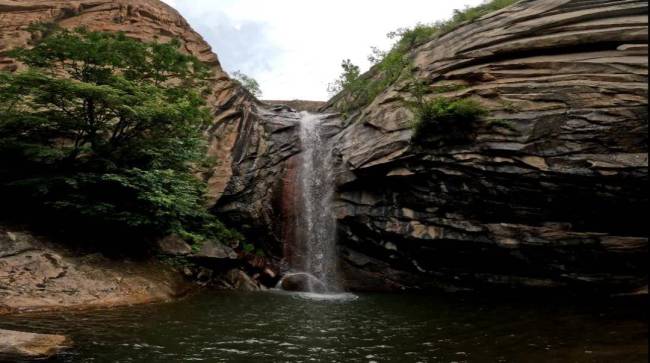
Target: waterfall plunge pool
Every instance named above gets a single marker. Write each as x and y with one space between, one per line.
292 327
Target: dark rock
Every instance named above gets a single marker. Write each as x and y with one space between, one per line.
239 280
302 282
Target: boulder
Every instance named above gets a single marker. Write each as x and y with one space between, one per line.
37 275
173 245
214 250
19 345
239 280
302 282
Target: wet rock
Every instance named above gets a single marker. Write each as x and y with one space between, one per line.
302 282
239 280
204 275
18 345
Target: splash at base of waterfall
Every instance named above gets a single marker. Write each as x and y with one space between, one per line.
305 286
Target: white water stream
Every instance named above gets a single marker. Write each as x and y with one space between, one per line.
316 221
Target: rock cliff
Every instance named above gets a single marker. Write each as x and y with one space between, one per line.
242 141
247 148
550 190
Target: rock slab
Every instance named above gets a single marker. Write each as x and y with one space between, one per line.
14 344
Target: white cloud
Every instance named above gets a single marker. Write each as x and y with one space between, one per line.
294 47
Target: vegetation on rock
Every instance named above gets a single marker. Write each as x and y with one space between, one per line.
442 118
445 118
388 67
102 133
249 83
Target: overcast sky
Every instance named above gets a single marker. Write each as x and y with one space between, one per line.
294 48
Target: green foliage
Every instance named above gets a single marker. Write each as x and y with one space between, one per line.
470 14
508 125
390 66
441 118
102 133
249 83
449 88
348 79
177 262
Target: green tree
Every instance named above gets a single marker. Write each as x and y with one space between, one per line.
348 78
103 133
249 83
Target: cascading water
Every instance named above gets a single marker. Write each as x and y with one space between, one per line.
314 264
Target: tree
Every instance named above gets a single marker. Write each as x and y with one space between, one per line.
347 79
249 83
104 131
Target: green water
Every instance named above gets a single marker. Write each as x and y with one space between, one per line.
278 327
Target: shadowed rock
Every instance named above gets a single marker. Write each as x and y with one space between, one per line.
302 282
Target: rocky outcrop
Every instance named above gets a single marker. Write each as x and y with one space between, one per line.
37 275
248 145
299 105
253 198
19 345
240 138
548 191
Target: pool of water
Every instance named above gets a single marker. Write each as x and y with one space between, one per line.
282 327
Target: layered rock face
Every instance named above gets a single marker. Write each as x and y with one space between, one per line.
548 191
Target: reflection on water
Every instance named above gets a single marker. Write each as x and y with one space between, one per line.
283 327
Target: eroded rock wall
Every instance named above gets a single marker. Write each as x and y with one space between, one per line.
247 144
549 191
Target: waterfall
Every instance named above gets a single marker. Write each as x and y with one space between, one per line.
315 220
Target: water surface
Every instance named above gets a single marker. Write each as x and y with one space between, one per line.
282 327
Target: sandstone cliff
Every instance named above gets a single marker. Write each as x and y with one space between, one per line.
240 142
551 189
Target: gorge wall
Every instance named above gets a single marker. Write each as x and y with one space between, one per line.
550 190
38 274
246 141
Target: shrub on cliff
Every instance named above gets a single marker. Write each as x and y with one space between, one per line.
102 133
446 119
441 119
249 83
389 66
